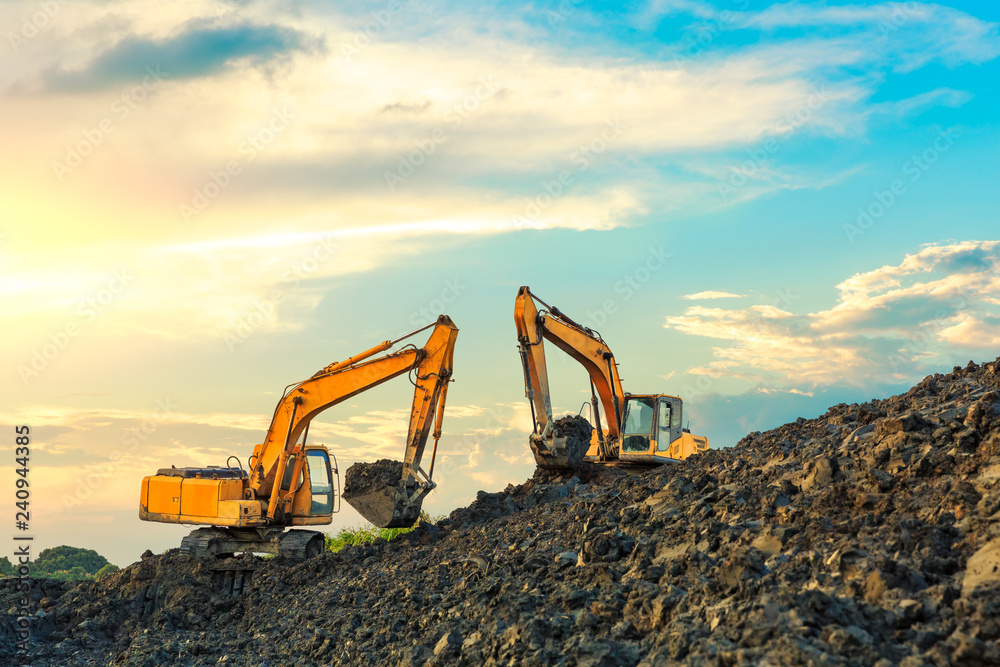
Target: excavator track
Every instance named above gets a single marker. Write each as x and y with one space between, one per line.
301 544
295 545
232 575
198 543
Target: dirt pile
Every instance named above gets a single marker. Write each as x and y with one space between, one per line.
363 478
867 536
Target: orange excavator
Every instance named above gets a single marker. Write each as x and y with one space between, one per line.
291 483
642 429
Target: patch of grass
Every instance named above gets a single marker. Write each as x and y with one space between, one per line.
361 535
367 533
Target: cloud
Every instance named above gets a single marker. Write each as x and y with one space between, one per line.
500 146
194 52
712 295
915 33
911 106
936 305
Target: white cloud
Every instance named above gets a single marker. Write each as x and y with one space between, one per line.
911 33
946 97
711 295
888 324
544 111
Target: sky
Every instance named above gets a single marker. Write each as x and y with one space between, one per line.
766 209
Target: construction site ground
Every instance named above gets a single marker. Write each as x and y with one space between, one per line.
867 536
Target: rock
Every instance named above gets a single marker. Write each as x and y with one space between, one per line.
566 558
875 587
983 568
449 644
414 656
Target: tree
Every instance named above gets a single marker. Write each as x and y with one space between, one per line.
110 568
6 568
66 559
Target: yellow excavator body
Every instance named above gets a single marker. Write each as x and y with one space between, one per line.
641 429
291 483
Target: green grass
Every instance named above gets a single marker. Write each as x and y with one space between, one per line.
366 533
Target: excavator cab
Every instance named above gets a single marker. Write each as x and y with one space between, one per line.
652 430
637 431
315 491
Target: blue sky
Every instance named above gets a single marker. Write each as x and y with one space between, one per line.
764 208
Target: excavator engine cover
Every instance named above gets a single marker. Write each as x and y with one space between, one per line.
211 472
379 494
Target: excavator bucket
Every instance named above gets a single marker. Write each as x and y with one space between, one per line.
379 494
566 446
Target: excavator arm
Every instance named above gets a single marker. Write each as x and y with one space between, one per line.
431 368
536 325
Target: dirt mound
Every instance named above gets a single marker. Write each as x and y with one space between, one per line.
363 478
867 536
169 593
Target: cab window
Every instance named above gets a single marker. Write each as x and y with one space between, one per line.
664 422
638 425
321 481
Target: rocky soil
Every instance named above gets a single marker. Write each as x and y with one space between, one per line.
867 536
363 477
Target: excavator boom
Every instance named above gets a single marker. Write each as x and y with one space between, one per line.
432 368
587 348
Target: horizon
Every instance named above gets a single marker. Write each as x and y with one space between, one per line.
765 209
